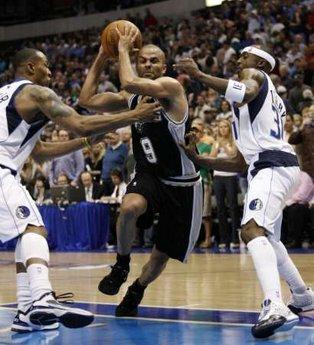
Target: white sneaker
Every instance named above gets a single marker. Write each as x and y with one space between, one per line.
21 324
47 311
275 317
302 302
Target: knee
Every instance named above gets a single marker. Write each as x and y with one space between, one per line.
132 209
39 230
251 230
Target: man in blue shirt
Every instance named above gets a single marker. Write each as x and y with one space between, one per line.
114 158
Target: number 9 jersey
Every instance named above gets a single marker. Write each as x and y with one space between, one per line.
156 150
258 125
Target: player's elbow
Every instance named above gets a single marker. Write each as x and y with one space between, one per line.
84 102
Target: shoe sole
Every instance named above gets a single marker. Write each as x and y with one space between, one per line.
68 319
24 329
297 310
274 327
107 291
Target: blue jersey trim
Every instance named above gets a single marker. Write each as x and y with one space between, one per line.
256 104
270 159
40 121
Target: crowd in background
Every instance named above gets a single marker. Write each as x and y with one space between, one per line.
213 37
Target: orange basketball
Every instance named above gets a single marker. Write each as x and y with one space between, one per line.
110 38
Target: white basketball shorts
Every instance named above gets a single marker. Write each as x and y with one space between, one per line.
17 208
266 197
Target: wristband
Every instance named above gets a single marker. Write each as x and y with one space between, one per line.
235 91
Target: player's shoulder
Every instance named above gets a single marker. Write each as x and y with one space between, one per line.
168 80
252 73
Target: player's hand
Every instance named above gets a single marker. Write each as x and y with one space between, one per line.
190 149
148 111
126 40
188 65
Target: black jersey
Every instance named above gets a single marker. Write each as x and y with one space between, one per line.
156 150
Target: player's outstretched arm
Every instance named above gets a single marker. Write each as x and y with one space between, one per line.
231 164
45 100
44 151
100 102
241 92
160 88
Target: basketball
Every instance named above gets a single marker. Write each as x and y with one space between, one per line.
110 37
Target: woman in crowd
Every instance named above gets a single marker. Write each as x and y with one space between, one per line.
225 186
93 163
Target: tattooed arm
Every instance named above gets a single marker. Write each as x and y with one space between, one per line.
45 100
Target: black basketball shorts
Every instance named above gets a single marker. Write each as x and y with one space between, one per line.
179 210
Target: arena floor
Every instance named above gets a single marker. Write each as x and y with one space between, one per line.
213 299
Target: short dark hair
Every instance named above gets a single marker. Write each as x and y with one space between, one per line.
23 56
117 172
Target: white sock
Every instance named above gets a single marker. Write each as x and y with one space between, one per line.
287 269
38 280
23 293
265 262
34 246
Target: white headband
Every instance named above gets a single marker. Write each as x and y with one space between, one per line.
261 53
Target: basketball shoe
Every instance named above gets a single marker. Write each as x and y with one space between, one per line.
275 317
48 310
302 302
130 302
21 324
110 284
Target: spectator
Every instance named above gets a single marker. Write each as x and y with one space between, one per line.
71 164
93 163
296 93
93 190
41 191
63 180
297 211
305 137
288 127
225 185
114 158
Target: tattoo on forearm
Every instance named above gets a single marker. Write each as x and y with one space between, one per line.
50 103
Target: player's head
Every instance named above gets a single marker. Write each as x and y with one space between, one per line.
256 57
33 65
151 62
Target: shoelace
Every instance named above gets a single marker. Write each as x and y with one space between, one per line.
66 297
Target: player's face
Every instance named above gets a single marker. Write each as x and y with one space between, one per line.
150 64
247 60
42 73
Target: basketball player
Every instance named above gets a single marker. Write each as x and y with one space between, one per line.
273 172
166 181
26 105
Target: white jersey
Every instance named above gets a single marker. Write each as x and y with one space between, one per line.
258 126
17 137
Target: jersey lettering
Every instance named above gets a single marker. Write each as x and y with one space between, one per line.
278 109
148 150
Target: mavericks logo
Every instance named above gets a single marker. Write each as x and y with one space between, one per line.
22 212
256 205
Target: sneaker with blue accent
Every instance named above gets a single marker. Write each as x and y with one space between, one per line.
21 324
274 317
48 310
